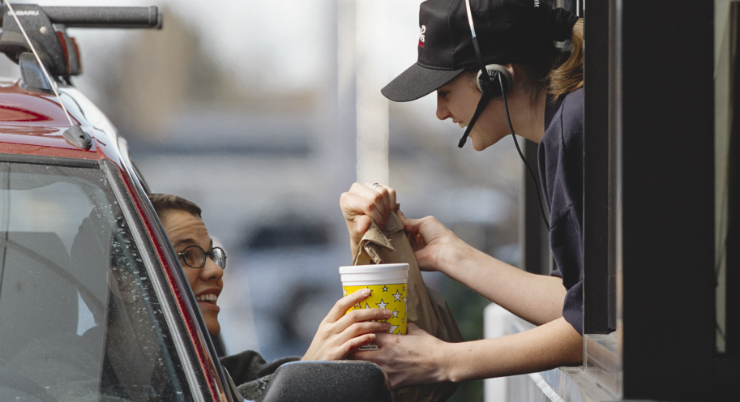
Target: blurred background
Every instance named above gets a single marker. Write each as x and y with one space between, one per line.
257 111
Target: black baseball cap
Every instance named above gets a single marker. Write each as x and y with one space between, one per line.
508 31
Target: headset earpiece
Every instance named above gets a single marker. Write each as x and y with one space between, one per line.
490 84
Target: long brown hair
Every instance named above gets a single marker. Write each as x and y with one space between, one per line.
553 72
568 76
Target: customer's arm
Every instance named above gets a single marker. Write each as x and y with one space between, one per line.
341 332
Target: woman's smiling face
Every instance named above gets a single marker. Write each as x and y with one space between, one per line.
185 229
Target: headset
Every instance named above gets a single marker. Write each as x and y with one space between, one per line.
487 77
487 82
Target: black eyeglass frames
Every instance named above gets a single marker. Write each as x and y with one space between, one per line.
195 257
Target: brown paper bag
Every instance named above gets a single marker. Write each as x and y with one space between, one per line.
425 307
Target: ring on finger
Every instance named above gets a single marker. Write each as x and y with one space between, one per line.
375 185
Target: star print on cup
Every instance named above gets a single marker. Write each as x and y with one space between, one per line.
377 300
387 283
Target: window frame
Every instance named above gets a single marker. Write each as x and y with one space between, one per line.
165 250
193 373
649 202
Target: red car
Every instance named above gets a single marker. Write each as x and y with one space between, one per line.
93 301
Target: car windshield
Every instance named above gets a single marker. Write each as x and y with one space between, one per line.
79 319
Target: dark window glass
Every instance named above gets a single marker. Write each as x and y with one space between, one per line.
79 319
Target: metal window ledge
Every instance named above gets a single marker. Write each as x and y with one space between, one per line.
602 362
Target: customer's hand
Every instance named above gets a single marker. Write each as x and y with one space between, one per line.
363 204
341 332
409 359
436 248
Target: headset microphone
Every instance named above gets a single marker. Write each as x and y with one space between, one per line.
495 84
485 97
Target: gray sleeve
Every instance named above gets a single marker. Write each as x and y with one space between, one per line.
251 372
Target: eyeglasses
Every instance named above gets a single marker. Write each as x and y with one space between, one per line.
195 257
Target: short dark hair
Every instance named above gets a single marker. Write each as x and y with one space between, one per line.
167 202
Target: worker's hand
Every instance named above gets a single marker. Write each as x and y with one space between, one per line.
363 204
436 248
410 359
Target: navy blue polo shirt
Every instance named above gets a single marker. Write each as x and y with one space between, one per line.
560 160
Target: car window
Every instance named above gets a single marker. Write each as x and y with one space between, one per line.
79 319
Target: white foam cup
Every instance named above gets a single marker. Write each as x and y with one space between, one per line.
388 283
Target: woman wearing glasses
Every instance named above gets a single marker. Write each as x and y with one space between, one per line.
337 336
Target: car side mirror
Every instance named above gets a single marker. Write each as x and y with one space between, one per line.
327 381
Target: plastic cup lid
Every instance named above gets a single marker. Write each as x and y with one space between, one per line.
361 269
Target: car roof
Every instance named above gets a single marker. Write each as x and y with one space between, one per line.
33 123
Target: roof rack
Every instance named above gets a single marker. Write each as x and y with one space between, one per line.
46 28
